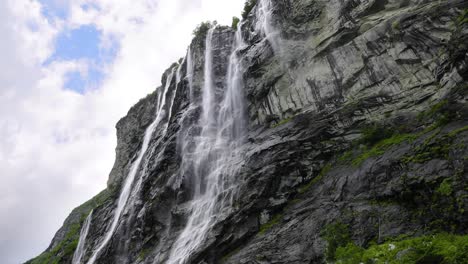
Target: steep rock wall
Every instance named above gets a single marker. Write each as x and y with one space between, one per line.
357 115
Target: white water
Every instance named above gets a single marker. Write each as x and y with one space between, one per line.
190 72
80 249
265 27
216 157
127 187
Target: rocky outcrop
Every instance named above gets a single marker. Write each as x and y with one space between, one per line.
357 122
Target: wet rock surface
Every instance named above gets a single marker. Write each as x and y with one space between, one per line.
339 69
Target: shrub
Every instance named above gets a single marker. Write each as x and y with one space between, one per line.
235 22
337 235
439 248
248 6
203 28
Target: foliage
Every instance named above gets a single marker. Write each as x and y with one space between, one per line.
375 133
66 248
383 145
337 235
202 29
445 188
439 248
431 149
235 22
248 6
463 18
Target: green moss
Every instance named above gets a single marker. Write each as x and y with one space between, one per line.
380 148
143 253
458 131
375 133
463 18
282 122
445 188
439 248
337 235
267 226
432 149
66 248
248 6
322 173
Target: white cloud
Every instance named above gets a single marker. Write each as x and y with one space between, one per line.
57 146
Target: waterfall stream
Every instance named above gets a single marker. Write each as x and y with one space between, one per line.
127 186
80 248
264 25
216 156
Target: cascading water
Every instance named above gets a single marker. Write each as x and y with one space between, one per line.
265 27
190 72
216 156
127 189
80 249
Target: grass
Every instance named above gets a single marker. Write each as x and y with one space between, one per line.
438 248
337 235
382 146
66 248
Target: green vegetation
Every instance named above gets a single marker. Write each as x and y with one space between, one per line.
248 6
383 145
431 149
235 22
322 173
201 30
375 133
337 235
463 18
282 122
378 138
445 188
143 253
273 221
439 248
64 251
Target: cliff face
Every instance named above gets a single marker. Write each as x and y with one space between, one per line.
355 133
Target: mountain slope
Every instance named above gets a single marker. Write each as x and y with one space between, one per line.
355 135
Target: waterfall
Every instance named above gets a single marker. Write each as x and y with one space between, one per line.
265 27
190 72
216 157
127 186
80 249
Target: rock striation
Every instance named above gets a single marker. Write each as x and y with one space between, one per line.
356 117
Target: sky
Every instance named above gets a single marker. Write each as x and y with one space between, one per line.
70 69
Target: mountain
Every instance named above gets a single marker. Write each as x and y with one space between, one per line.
313 131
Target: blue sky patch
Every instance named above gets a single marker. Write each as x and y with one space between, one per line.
80 43
83 43
80 83
52 9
